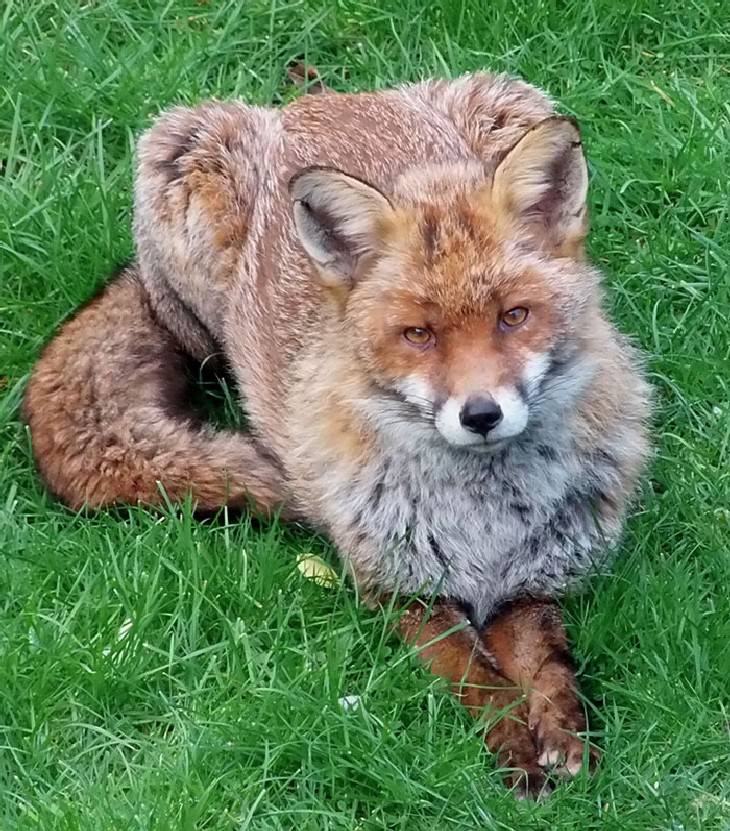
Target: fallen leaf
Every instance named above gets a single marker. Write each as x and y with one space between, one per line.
314 568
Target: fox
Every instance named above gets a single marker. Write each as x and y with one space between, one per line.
397 282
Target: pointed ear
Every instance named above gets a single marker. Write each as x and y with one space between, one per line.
339 220
542 183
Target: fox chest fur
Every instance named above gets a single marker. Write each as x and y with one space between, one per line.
481 534
410 515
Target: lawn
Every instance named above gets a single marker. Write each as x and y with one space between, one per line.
160 672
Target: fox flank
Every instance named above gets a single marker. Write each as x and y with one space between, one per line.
398 284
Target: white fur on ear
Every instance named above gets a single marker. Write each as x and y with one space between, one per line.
543 183
338 219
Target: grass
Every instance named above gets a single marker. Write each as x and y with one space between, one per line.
218 708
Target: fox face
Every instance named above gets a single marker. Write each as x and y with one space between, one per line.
462 293
469 368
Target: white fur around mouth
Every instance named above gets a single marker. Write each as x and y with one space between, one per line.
487 447
514 421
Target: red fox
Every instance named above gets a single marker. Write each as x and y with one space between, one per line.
397 281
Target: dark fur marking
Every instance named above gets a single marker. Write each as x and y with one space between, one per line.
600 497
510 489
547 453
268 454
173 385
549 618
561 656
600 455
394 395
521 509
558 363
561 539
169 170
437 551
215 166
170 167
467 221
228 142
470 612
195 319
430 233
535 544
357 519
377 494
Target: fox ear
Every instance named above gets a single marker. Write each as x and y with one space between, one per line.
339 220
542 182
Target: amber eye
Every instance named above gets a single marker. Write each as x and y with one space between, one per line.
418 336
515 317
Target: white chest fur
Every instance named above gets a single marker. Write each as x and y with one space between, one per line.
476 528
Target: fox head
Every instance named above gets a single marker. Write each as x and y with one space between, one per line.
464 292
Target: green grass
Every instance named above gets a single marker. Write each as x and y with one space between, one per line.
219 709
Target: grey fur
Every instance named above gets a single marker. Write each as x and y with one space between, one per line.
481 530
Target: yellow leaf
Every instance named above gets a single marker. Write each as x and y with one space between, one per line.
314 568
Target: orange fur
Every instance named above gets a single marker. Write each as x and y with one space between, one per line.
303 244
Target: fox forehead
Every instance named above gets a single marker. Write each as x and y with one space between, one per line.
451 264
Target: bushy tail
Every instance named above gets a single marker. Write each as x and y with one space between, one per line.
106 406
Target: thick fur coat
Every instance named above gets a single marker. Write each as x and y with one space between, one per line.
372 267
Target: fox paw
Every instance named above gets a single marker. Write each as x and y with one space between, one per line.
527 780
518 758
556 732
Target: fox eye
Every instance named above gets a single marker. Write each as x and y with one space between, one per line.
418 336
514 317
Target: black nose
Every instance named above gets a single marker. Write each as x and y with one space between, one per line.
480 415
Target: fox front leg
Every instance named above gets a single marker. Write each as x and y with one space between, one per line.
453 649
528 644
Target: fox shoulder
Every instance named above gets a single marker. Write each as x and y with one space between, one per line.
490 111
198 172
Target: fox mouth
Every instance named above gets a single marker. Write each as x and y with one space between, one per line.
406 414
486 447
480 446
441 419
